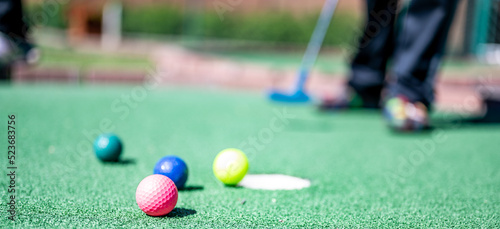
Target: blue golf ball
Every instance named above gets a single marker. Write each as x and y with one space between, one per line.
174 168
108 147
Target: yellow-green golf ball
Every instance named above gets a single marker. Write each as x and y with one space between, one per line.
230 166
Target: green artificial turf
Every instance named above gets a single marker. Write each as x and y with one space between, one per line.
363 176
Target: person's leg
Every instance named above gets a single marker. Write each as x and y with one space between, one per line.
5 72
11 19
13 25
368 68
419 49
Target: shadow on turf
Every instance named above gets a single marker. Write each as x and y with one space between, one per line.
455 123
191 188
464 122
126 161
180 212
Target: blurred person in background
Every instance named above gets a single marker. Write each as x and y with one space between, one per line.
14 44
416 50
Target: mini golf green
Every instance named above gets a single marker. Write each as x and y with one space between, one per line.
361 174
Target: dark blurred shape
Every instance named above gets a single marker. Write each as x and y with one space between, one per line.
191 188
13 27
11 19
14 44
126 161
492 110
491 105
5 56
180 212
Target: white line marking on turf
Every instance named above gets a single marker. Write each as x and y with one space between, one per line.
273 182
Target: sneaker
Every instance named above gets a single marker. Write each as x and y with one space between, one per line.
406 116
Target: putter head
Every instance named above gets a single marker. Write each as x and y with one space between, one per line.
296 97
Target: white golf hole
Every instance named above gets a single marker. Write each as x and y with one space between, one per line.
273 182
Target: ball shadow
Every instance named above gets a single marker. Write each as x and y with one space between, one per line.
233 186
191 188
126 161
180 213
426 131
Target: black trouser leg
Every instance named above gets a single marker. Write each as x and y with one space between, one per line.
11 19
5 73
368 67
12 26
420 47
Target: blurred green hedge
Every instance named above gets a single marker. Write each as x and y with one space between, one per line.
274 27
45 15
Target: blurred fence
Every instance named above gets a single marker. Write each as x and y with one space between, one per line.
482 30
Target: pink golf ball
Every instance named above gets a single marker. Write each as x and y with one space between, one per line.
156 195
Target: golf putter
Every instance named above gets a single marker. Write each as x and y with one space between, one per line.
298 94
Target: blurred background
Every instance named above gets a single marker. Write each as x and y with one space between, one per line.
251 44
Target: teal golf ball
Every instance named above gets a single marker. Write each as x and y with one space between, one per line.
108 147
